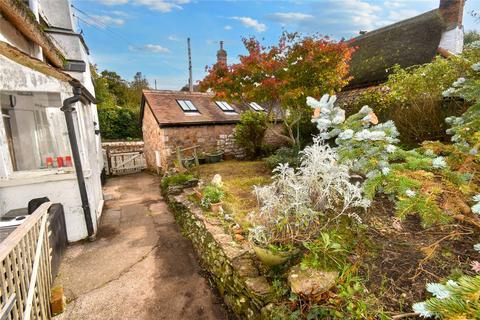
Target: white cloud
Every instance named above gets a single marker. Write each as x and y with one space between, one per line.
251 23
227 27
402 14
103 21
173 38
113 2
152 48
162 5
157 5
394 4
290 17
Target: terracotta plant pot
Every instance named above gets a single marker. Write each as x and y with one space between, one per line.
215 207
270 258
198 194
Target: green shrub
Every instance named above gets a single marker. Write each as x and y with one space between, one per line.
413 99
284 155
249 133
175 180
211 194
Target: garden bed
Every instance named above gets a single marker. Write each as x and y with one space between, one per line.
388 262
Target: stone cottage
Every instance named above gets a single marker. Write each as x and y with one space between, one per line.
172 119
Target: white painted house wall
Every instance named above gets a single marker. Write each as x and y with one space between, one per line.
60 185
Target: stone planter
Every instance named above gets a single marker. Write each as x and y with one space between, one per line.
215 207
214 157
270 258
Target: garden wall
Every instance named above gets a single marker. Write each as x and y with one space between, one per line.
232 267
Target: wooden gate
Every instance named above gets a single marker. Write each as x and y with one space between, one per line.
125 163
25 277
123 157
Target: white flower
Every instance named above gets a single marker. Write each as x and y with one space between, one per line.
422 310
365 110
477 247
448 92
385 170
476 208
410 193
285 69
367 118
314 103
459 82
256 84
391 148
439 163
377 135
339 116
362 135
476 198
345 135
452 283
476 66
438 290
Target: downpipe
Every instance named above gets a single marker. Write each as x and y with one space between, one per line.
67 110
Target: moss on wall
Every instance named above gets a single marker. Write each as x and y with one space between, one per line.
231 265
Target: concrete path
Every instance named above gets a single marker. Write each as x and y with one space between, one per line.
140 266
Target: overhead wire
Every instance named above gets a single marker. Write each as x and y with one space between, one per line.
96 23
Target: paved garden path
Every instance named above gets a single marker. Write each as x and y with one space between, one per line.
140 266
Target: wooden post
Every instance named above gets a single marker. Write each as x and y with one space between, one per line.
179 160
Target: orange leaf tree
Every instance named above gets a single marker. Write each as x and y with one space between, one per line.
280 77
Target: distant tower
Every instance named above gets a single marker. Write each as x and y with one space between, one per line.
222 55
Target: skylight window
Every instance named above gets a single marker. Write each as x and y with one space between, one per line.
255 106
187 106
224 106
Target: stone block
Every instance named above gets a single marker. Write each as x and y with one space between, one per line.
58 302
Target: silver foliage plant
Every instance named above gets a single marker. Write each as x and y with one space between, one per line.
359 138
299 203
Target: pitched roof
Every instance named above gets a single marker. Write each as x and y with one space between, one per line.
409 42
168 112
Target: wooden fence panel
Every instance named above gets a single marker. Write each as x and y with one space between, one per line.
25 269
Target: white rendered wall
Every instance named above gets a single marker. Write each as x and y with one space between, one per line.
17 188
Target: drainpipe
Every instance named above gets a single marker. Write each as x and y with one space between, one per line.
68 109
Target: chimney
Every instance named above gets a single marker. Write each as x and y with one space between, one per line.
222 55
452 12
452 38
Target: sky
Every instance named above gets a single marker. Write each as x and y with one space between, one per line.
150 36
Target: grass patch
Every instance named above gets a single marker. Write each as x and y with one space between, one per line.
238 178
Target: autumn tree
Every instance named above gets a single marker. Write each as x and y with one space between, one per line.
280 77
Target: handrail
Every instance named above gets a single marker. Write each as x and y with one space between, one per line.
16 236
36 266
5 312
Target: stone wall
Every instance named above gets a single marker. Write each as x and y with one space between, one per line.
208 137
153 139
226 142
232 267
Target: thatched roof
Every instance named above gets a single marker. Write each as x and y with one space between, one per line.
409 42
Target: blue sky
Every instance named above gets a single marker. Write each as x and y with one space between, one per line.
127 36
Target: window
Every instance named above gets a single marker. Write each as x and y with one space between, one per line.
35 130
187 106
255 106
225 106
